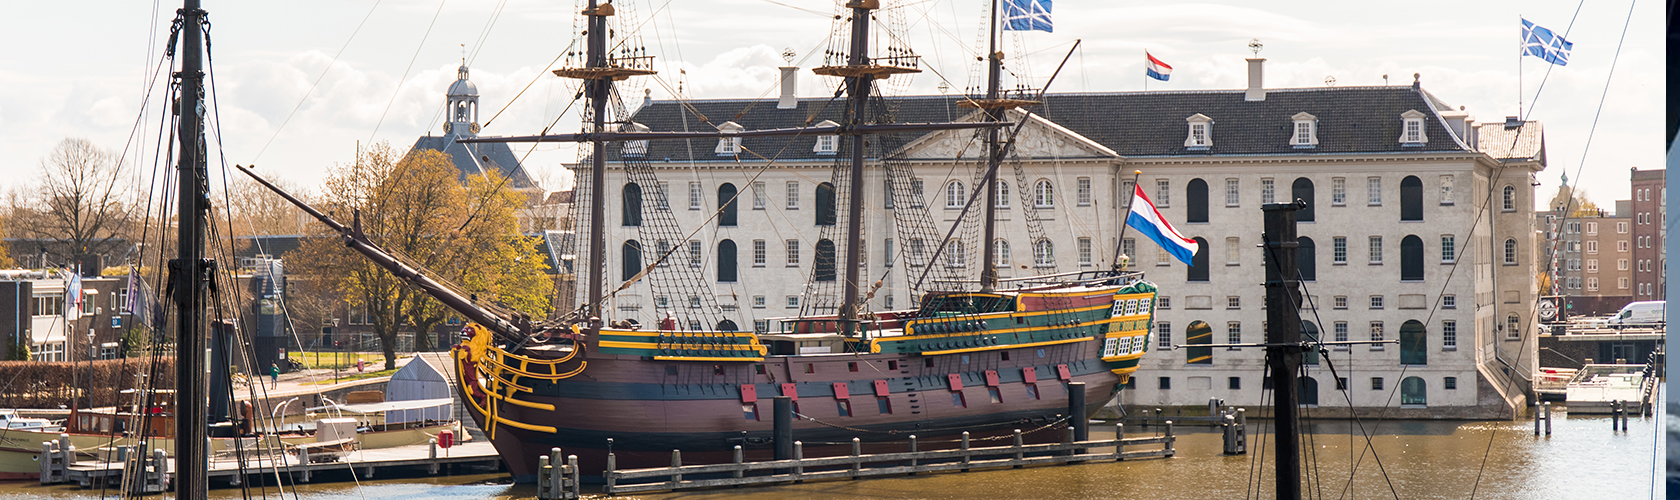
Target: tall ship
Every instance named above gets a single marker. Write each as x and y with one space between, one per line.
986 355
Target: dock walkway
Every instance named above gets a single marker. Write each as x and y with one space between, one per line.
362 463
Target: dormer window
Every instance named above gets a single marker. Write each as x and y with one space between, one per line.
827 144
635 148
729 146
1201 132
1306 131
1411 130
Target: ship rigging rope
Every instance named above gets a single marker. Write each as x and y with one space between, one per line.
318 79
411 59
226 273
1524 331
1317 344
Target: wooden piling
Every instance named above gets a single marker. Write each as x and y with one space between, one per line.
798 456
1170 439
738 471
857 453
965 457
676 461
1018 453
1548 418
912 457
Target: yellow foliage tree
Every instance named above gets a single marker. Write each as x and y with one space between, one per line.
413 205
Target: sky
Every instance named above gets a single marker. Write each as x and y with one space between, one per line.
302 84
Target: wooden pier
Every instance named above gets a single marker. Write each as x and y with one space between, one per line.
362 464
857 465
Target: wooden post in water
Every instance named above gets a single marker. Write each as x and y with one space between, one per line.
782 406
1170 439
1548 418
1119 441
676 461
1018 453
857 452
1537 418
913 460
1076 412
738 471
1283 339
965 457
798 456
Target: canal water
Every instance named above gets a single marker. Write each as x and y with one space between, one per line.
1582 459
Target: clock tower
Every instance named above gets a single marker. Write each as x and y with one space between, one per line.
462 107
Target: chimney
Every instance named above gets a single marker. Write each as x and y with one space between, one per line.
790 83
1256 78
1512 122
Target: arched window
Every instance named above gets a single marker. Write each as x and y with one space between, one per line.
1044 196
955 195
1195 192
632 204
632 254
726 262
1198 270
956 255
1306 258
1411 258
727 325
1198 333
1302 190
1411 199
1308 391
825 261
1309 333
726 197
1044 253
1002 193
1510 251
1414 347
1413 391
1002 257
1510 199
825 204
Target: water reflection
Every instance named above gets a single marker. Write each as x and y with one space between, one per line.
1583 458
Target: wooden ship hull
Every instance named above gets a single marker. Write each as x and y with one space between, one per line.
704 393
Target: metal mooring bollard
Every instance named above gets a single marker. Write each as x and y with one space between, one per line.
1548 418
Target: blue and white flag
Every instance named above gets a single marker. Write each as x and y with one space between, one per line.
141 303
1544 44
1147 220
1027 15
1156 69
73 295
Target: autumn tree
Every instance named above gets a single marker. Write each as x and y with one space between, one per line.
78 201
1580 207
415 207
256 210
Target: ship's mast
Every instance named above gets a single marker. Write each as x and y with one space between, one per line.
994 67
597 89
190 269
858 89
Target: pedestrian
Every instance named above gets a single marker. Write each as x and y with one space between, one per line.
274 375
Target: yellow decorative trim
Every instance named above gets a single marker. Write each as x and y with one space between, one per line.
1009 346
698 358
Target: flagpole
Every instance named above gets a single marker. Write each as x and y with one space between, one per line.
1120 244
1145 77
1521 42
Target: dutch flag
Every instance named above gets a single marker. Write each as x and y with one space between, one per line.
1155 68
1149 221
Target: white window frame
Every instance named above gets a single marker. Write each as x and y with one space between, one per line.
1338 253
695 197
758 195
729 146
1268 191
1199 135
1412 130
1373 191
1338 191
955 194
1233 192
1044 194
1376 249
793 195
1084 247
1000 258
1044 253
1449 335
1163 193
827 144
1002 194
761 253
1305 132
1082 191
792 253
1449 249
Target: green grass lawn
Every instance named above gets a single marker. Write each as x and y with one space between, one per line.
340 360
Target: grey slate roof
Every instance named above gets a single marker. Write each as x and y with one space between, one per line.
1350 120
1505 142
472 159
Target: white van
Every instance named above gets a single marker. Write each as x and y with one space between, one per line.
1643 313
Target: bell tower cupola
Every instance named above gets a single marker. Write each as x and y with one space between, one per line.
462 101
